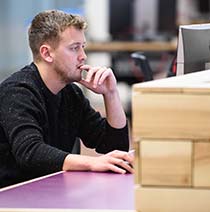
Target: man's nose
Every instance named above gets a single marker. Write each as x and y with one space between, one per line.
82 55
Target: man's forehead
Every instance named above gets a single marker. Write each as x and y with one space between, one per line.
73 36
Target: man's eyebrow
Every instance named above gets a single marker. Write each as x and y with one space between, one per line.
77 43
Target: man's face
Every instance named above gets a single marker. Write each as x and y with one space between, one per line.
70 55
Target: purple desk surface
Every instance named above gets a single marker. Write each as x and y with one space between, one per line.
73 190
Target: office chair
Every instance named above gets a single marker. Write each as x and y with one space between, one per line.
141 61
76 148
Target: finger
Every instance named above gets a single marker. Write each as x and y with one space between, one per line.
104 76
126 156
91 73
128 167
116 169
85 67
98 76
131 154
129 158
119 154
125 165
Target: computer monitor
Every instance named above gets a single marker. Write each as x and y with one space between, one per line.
193 51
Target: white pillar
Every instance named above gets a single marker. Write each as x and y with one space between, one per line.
97 15
186 11
145 16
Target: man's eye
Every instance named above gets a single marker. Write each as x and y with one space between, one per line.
75 48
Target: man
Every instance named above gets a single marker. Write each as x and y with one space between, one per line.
42 111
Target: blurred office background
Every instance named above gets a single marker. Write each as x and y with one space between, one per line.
108 20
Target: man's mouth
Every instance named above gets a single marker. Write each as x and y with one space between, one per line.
79 66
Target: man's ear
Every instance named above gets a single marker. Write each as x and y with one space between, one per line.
45 52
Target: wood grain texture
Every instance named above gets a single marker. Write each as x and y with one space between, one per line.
137 163
176 107
166 163
171 200
201 160
171 119
174 116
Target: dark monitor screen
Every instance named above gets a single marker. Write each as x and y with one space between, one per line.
203 6
193 53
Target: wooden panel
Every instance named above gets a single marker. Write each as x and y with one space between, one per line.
172 200
201 175
137 162
171 115
166 163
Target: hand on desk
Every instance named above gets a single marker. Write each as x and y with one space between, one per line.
116 161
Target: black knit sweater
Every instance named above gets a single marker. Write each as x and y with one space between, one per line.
38 129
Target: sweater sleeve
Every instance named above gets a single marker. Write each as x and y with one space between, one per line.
96 132
114 139
21 114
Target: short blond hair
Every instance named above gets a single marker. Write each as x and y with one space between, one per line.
47 26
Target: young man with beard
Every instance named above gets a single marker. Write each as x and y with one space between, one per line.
43 112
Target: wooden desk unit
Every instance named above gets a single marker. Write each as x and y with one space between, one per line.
171 132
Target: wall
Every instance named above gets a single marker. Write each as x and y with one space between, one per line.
15 17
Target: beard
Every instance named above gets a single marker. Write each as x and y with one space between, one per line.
65 74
